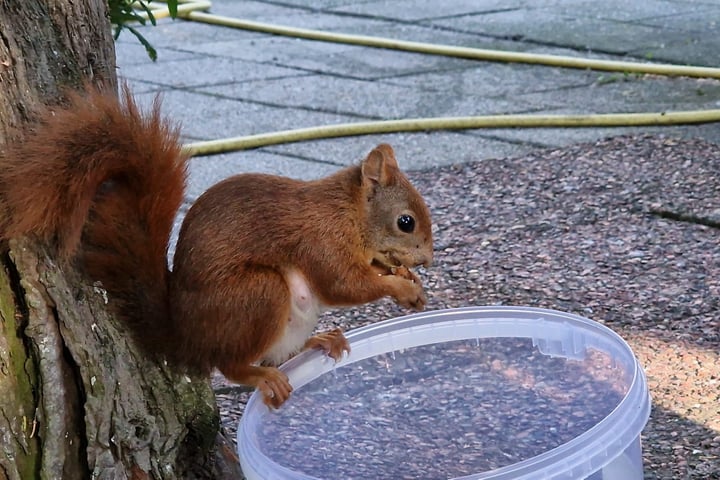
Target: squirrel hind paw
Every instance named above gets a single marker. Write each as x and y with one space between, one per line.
273 384
275 389
333 343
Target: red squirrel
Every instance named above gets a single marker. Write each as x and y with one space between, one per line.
258 256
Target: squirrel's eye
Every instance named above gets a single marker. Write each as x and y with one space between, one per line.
406 223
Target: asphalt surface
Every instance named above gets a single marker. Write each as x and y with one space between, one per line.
220 82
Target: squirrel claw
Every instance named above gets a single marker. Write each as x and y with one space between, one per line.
333 342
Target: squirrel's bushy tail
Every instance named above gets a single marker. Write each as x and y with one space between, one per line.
102 182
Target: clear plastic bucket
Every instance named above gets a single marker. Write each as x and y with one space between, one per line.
470 393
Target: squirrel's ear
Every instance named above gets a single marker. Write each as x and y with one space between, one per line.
380 166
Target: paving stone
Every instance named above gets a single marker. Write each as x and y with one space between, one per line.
222 82
363 99
330 21
204 117
202 70
413 150
626 11
180 34
628 93
416 10
561 137
329 58
688 46
702 20
585 34
129 52
553 137
258 10
491 79
207 171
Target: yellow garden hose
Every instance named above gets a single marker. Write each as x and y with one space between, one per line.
194 10
452 123
455 51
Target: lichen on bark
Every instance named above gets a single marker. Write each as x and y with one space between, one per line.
19 444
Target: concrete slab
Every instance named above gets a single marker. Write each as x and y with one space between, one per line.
624 11
329 58
317 5
622 93
413 150
546 27
696 40
686 49
490 79
207 171
203 70
331 21
221 82
363 99
179 34
204 117
130 53
259 10
419 10
561 137
701 20
553 137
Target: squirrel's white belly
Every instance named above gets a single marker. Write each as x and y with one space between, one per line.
305 313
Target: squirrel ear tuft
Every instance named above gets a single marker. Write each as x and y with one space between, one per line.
380 166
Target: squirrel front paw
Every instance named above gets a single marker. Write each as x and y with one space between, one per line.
410 293
414 299
405 273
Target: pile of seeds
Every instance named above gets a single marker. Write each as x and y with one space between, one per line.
440 411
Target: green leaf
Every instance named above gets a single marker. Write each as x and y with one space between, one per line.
172 8
146 8
152 53
125 12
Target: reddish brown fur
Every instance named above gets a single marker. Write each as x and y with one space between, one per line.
103 183
99 170
261 225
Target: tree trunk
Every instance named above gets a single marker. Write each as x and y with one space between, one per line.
78 400
49 45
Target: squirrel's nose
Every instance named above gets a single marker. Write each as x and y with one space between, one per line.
425 259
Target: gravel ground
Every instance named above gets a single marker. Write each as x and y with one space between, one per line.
624 231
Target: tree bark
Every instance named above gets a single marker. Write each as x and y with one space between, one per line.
47 46
78 400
